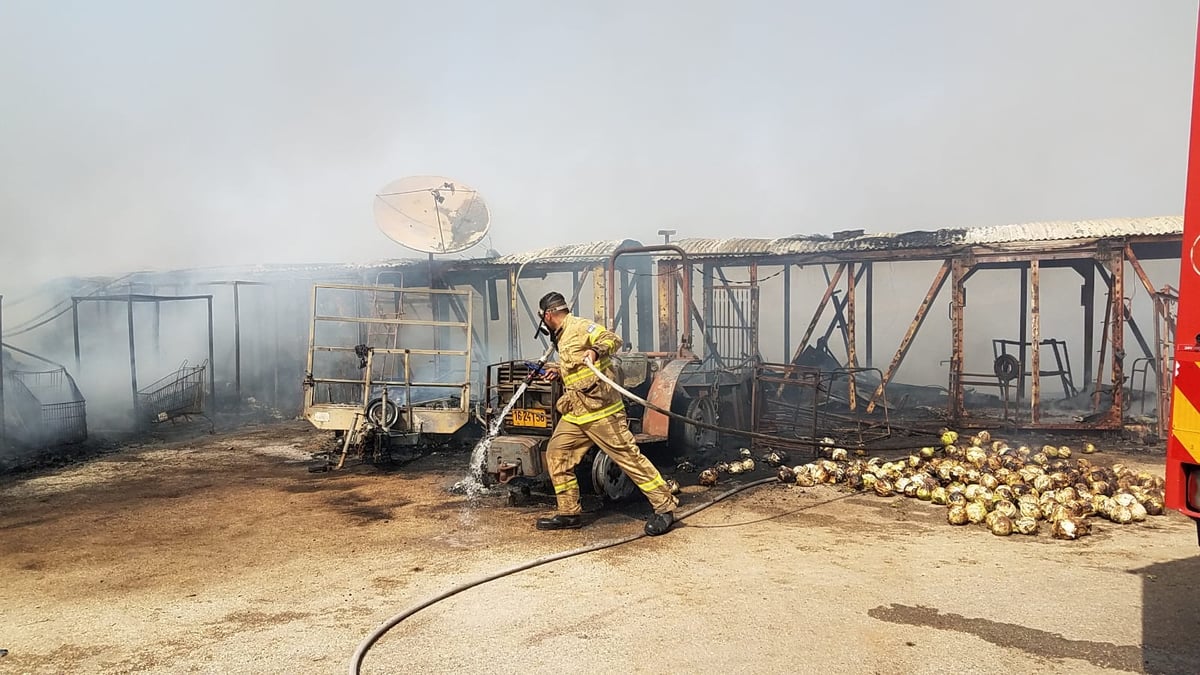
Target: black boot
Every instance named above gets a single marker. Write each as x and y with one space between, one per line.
559 522
659 523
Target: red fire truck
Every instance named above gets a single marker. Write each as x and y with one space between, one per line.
1183 443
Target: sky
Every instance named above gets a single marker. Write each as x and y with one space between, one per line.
191 134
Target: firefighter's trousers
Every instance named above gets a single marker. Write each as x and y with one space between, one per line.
571 441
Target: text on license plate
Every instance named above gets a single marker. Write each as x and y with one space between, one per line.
522 417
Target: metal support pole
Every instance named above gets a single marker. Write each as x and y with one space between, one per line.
957 301
624 313
133 361
707 307
1108 306
599 292
1035 393
157 329
667 335
754 352
212 370
1117 265
870 314
851 338
575 284
75 331
644 284
513 348
787 309
275 354
1023 333
237 342
1089 318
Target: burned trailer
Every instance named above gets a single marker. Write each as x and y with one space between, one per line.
672 378
386 369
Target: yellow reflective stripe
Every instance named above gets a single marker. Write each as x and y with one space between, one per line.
596 415
569 485
653 483
584 372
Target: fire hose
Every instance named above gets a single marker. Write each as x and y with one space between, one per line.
370 640
363 647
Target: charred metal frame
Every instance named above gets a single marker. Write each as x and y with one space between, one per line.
237 331
665 293
130 300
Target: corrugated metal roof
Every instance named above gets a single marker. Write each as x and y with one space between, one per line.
857 240
1113 228
596 251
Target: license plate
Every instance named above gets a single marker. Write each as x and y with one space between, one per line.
522 417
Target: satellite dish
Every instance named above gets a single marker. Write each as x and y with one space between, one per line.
431 214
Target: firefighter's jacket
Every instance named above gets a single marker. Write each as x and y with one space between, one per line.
586 398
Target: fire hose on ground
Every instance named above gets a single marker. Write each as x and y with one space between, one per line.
363 647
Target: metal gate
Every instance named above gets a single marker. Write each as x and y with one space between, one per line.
731 325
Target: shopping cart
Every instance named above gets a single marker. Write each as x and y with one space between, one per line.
179 394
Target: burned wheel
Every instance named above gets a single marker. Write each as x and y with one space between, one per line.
1007 367
702 409
691 441
383 414
609 481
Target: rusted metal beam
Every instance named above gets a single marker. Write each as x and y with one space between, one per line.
1140 272
666 286
1035 313
939 280
683 276
958 270
1134 327
1117 265
599 283
666 309
839 316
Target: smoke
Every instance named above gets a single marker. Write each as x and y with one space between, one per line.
175 136
141 135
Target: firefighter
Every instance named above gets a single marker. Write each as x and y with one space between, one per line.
592 412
